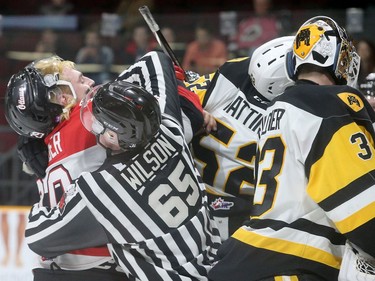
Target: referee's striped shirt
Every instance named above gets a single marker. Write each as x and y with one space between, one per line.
153 208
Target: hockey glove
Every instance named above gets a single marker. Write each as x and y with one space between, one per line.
34 155
188 76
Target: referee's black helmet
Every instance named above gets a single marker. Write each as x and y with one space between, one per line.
124 108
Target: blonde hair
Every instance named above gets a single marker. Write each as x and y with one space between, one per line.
53 65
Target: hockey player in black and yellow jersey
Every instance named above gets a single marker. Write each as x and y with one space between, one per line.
315 185
236 95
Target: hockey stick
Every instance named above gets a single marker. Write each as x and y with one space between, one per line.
145 12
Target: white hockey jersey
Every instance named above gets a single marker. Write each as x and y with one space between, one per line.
315 187
226 158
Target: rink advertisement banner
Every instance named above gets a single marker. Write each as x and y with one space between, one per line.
16 259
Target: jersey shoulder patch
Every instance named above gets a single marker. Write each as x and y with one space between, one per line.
351 100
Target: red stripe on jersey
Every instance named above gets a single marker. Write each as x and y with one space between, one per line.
189 95
68 138
95 251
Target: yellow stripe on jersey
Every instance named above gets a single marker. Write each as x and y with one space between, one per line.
286 278
287 247
357 219
330 174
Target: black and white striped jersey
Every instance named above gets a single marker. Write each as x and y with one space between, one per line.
155 73
151 206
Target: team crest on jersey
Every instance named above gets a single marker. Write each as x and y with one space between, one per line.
352 100
221 204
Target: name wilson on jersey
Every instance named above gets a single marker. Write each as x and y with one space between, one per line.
147 164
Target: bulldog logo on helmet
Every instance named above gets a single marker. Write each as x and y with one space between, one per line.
306 40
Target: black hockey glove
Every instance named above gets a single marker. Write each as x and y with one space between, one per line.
34 154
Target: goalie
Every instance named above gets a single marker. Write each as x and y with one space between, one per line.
316 167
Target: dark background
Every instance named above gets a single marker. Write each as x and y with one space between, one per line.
13 7
17 188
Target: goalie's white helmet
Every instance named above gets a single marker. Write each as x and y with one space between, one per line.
322 42
267 67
